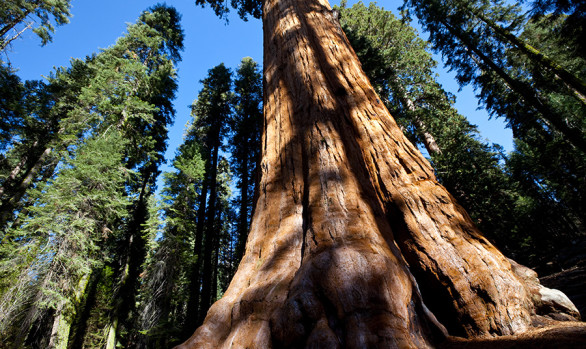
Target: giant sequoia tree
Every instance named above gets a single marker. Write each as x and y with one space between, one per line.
351 232
353 242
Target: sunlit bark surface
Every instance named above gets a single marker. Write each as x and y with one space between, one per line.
349 216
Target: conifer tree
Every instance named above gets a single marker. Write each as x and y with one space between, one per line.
558 165
572 31
188 231
245 142
346 201
48 126
65 235
127 88
474 38
211 113
224 260
164 291
11 107
143 109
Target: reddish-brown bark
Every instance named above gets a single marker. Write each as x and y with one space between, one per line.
348 213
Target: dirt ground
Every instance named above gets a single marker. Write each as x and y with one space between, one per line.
569 335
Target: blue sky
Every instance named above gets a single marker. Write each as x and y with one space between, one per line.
208 42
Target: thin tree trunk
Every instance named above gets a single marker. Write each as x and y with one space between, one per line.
111 334
5 29
341 190
124 299
80 325
577 86
6 42
193 319
243 214
64 319
574 135
210 232
427 138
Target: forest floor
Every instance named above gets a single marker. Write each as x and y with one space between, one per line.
565 335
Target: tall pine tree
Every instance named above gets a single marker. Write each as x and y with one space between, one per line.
244 142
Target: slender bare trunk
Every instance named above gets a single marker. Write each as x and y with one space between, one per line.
6 42
111 334
428 139
8 26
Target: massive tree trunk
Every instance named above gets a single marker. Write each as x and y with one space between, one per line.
350 223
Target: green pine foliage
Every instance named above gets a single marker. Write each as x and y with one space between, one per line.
211 112
43 133
40 15
166 280
572 30
62 248
474 38
11 107
66 232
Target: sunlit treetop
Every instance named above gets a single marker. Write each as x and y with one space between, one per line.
166 21
245 7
